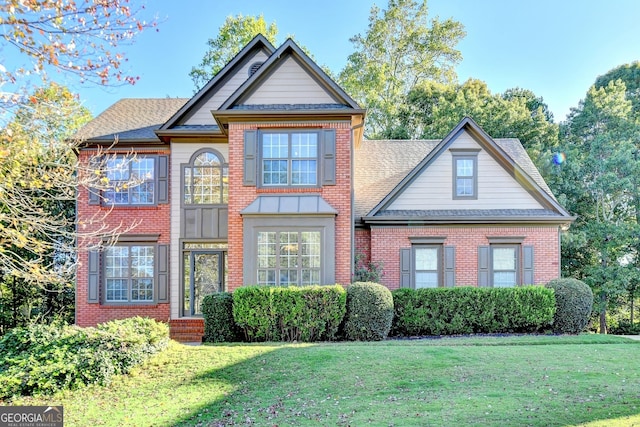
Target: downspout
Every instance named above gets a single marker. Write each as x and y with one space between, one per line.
353 222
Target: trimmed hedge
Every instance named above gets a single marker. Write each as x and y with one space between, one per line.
369 312
470 310
43 359
291 313
574 302
219 326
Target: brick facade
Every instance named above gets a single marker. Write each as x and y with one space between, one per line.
102 220
338 196
385 244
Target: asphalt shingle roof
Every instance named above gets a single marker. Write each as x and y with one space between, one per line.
131 118
380 165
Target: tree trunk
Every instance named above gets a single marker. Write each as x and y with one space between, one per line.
603 313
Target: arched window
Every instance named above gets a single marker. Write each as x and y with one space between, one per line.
206 179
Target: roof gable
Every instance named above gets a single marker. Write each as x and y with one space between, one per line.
289 57
213 93
507 153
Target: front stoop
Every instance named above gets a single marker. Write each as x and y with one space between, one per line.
186 330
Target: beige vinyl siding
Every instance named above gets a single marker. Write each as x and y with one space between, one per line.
203 115
433 189
291 84
180 154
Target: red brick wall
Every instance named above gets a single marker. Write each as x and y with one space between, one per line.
386 243
338 196
94 218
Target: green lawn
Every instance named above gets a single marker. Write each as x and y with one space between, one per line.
538 381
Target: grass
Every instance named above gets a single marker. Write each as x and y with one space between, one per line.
524 380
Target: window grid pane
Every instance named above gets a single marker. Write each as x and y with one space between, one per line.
206 180
464 167
289 159
129 273
132 180
288 258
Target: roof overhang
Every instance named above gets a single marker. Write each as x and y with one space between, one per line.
223 118
122 143
469 220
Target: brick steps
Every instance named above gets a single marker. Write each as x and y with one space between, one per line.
186 330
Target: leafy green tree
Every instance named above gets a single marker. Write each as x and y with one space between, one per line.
234 34
629 74
400 49
432 109
37 208
601 144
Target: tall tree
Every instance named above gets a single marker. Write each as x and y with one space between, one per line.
38 173
432 109
37 207
400 49
601 143
629 74
234 34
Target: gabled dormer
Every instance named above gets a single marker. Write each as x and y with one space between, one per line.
468 177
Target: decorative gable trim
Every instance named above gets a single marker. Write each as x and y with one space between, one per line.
493 149
288 48
258 42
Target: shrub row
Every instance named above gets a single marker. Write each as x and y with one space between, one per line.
42 359
468 310
293 313
263 313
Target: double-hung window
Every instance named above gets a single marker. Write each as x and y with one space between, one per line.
504 265
129 273
289 158
131 180
465 174
427 266
288 257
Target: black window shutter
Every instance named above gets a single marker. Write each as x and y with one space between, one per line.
93 291
405 268
527 265
328 157
250 160
163 273
449 266
94 196
163 179
483 266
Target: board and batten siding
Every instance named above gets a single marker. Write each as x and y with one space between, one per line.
290 85
433 188
203 115
180 154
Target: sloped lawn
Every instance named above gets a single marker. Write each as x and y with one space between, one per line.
501 381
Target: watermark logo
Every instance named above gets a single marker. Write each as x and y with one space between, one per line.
31 416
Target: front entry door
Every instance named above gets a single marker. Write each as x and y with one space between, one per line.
203 277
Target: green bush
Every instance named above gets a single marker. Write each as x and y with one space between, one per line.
468 310
624 328
574 302
369 312
42 359
289 313
219 325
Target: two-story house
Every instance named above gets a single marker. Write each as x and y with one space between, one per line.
263 177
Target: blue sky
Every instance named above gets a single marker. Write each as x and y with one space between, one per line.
556 48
